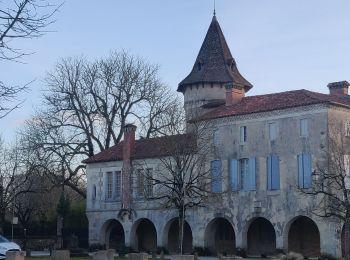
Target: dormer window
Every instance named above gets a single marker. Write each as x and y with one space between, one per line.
231 63
199 64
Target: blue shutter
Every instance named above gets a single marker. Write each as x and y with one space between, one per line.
300 171
269 172
216 176
252 178
307 170
234 175
275 183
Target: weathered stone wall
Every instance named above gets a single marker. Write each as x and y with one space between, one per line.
240 208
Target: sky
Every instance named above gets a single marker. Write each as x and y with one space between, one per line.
279 45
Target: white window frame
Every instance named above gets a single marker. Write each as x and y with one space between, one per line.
109 185
216 138
243 134
149 183
347 170
144 187
118 184
272 127
243 171
304 127
347 128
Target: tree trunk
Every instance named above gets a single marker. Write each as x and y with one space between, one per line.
181 230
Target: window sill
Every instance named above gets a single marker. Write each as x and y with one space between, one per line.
247 190
273 192
112 200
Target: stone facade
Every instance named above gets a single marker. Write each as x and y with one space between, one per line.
268 216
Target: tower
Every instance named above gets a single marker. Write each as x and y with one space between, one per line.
214 76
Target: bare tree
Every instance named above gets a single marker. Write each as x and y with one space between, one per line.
86 106
182 180
8 96
20 19
15 177
23 19
331 183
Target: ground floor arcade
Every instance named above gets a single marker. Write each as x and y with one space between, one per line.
256 236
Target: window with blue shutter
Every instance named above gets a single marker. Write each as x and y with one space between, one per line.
273 172
216 176
247 173
234 175
304 170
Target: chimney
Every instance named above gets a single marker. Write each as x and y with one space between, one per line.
128 148
340 88
234 93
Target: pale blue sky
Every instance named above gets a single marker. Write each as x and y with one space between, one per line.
279 45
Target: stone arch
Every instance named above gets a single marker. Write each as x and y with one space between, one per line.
220 236
303 236
144 236
113 235
261 237
171 236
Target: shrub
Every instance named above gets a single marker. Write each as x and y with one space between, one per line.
241 252
291 256
327 257
96 247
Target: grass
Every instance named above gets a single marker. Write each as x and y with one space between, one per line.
75 258
49 258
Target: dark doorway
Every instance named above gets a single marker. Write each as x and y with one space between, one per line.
261 238
220 237
115 236
173 238
304 237
146 236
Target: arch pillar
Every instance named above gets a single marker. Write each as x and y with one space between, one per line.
280 241
330 242
240 242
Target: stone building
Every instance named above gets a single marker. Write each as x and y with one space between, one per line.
267 148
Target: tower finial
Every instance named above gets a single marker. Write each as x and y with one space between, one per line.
214 9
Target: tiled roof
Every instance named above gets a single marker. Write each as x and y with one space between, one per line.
214 63
144 148
276 101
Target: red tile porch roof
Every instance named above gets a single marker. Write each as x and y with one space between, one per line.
144 148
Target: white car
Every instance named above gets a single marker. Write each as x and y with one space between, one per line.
6 245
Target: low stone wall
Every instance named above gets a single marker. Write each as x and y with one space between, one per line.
104 255
182 257
15 255
138 256
60 255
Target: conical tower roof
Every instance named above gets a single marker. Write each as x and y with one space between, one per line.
214 63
